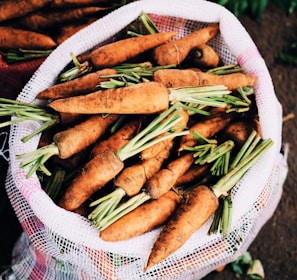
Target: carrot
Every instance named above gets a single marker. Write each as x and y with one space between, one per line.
204 56
157 148
78 86
142 219
120 137
195 173
176 51
95 174
87 177
172 78
207 127
120 51
143 98
191 214
68 142
15 38
17 8
166 178
42 20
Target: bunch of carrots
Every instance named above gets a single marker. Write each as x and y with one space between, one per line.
32 29
155 134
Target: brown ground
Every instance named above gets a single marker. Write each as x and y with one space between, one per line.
275 245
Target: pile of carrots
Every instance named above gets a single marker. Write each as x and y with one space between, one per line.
31 29
154 149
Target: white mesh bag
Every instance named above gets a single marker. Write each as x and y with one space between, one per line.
58 244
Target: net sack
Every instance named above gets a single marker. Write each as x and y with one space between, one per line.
58 244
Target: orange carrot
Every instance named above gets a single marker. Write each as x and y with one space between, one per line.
166 178
157 148
68 142
207 127
142 219
176 51
119 138
94 175
17 8
172 78
44 19
191 214
78 86
15 38
120 51
143 98
204 56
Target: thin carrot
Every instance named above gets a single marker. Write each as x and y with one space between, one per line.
157 148
44 19
15 38
166 178
78 86
176 51
68 142
191 214
142 219
120 51
172 78
17 8
207 126
143 98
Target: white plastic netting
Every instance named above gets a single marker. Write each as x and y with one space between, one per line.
59 244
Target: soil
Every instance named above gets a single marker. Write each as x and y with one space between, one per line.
275 244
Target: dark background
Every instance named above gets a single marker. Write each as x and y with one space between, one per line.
275 245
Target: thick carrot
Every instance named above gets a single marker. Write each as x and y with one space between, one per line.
172 78
78 86
17 8
120 51
204 56
191 214
143 98
119 138
176 51
142 219
166 178
207 127
94 175
15 38
42 20
157 148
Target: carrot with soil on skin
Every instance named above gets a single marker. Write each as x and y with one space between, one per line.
157 148
68 142
200 204
191 214
106 56
16 8
77 193
166 178
143 98
142 219
78 86
174 78
204 56
45 19
207 127
15 38
176 51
